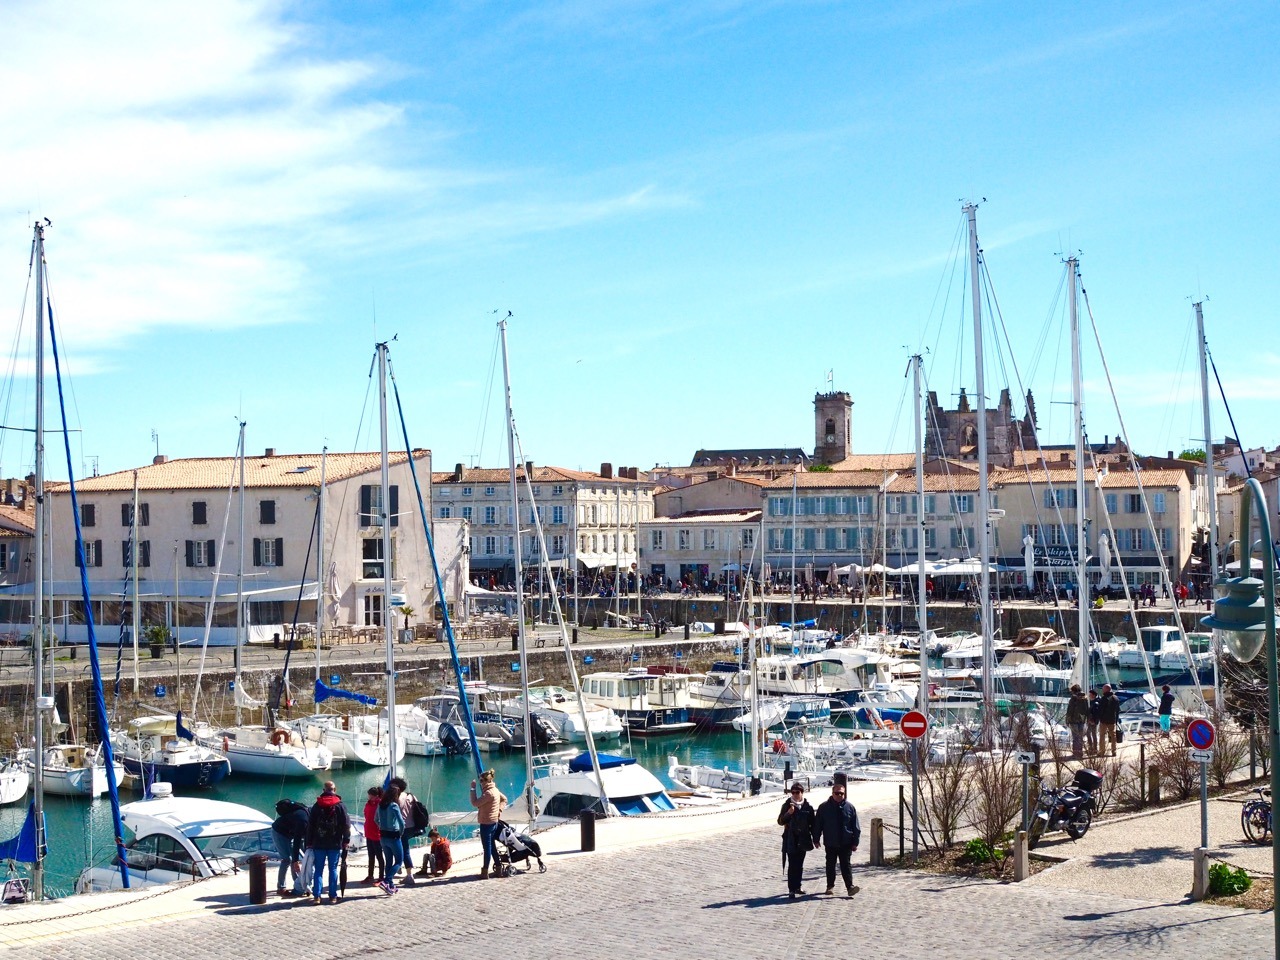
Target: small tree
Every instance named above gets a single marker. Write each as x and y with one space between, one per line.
406 612
997 798
946 793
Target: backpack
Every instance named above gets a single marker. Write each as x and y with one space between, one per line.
419 818
326 827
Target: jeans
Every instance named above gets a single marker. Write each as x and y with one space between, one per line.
1077 740
795 870
487 833
323 857
843 854
284 847
376 859
406 853
391 856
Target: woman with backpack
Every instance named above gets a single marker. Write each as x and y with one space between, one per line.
390 821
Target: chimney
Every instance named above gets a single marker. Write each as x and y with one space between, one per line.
1170 456
158 459
733 468
270 452
528 469
1064 457
457 473
606 471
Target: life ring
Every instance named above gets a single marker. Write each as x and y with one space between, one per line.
779 746
279 738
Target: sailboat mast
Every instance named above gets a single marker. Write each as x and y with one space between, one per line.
133 564
240 581
794 505
388 628
922 583
1213 491
321 579
43 702
517 560
984 481
1077 413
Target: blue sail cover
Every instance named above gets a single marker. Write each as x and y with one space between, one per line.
324 692
22 848
182 731
582 762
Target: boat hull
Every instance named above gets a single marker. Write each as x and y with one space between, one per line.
197 775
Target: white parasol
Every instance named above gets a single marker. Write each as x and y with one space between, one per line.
1029 558
1104 561
332 594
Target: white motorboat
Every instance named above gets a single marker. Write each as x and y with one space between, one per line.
567 789
559 708
348 739
260 751
423 735
72 769
648 704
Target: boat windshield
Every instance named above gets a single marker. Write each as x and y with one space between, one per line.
237 846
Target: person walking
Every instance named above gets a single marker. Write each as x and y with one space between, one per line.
328 833
838 830
390 817
1108 719
1166 709
373 837
1077 720
289 831
406 835
489 804
799 831
1091 732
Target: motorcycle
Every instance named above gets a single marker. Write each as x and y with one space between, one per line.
1068 808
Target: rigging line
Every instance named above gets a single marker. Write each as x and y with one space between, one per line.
75 402
945 280
217 574
440 591
482 428
278 686
11 376
1166 579
1175 388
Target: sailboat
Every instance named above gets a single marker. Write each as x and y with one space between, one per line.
258 749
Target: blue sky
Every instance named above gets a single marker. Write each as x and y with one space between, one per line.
692 211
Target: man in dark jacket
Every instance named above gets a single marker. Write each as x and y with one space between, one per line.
1077 719
289 831
799 832
328 832
1108 719
838 830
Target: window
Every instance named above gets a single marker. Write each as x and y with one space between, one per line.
490 515
962 538
830 539
511 546
930 538
1133 503
466 491
371 558
557 544
708 539
490 546
1060 498
92 553
930 503
373 609
488 491
144 553
445 512
592 513
656 539
126 514
808 538
88 515
900 504
1110 500
537 490
8 558
748 536
1165 538
557 514
466 513
962 503
199 513
1157 503
200 553
371 511
557 490
266 512
779 506
444 492
269 552
684 540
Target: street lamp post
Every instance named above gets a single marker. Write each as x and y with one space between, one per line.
1245 620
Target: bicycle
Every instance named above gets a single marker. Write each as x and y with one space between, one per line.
1255 817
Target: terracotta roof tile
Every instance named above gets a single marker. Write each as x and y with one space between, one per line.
16 517
832 479
498 475
876 461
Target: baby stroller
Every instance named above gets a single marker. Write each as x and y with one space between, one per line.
515 848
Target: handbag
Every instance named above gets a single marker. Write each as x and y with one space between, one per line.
1119 734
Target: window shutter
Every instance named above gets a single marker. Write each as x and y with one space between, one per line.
87 515
125 560
126 510
144 552
199 514
97 553
191 553
366 505
267 511
279 551
394 509
75 552
144 514
210 545
257 552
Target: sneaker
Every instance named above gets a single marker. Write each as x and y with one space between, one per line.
315 898
852 890
408 881
831 891
283 892
331 901
792 894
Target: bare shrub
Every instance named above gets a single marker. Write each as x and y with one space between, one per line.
1230 749
946 792
1113 771
1128 792
997 797
1179 774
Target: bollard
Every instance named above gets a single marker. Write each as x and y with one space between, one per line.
877 842
1200 879
575 634
1153 786
258 878
515 639
1021 861
587 829
686 631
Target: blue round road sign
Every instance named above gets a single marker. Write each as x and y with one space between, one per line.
1200 734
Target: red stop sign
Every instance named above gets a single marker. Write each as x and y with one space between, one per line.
913 724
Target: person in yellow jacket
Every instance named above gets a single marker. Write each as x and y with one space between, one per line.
489 804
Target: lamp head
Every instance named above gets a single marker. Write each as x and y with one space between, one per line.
1240 617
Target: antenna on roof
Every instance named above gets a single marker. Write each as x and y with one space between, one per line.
155 438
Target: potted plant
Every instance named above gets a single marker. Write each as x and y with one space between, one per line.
156 636
406 634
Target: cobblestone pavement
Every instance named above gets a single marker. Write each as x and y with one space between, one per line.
718 895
